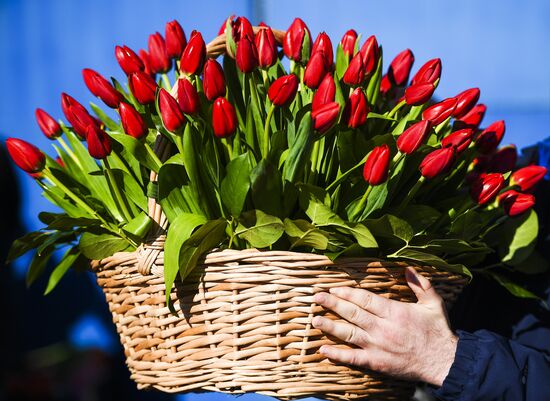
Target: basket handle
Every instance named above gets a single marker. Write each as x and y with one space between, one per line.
151 249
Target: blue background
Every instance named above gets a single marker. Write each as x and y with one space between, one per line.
500 46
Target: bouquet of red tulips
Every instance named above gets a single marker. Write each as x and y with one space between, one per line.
335 154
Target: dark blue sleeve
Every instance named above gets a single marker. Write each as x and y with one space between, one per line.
488 367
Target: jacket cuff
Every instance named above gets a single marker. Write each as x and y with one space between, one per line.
463 370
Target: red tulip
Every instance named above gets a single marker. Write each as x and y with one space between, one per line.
439 112
465 101
101 88
418 94
486 188
411 139
323 45
325 116
515 203
224 118
460 139
213 80
170 112
490 137
77 115
158 56
240 28
247 54
267 48
143 87
223 27
144 56
194 54
175 39
60 162
355 73
504 160
528 177
377 165
296 36
356 110
131 121
400 68
348 42
326 92
370 53
437 162
429 72
283 90
315 70
128 60
188 98
26 156
473 118
385 85
99 143
47 124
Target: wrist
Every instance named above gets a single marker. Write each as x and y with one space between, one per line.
442 360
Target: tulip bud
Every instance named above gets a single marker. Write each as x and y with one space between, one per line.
418 94
348 42
170 112
385 85
143 87
77 115
472 119
188 98
325 116
356 110
515 203
465 101
144 56
439 112
400 68
490 137
528 177
315 70
128 60
101 88
437 162
247 54
26 156
267 48
504 160
131 121
323 45
326 92
411 139
355 73
224 118
460 139
283 90
240 28
377 165
370 53
99 143
486 188
296 44
175 39
158 56
223 27
47 124
194 54
429 72
213 80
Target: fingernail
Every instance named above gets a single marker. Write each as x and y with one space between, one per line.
322 349
319 297
336 291
412 278
317 321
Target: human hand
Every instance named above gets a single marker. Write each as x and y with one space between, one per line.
407 340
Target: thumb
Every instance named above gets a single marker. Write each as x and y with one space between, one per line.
422 287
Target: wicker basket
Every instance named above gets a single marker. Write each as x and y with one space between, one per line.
243 319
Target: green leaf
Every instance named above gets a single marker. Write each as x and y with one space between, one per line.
521 233
137 149
380 116
420 217
467 225
373 88
59 271
299 151
179 231
130 189
391 226
260 230
24 244
139 226
302 233
430 260
62 221
38 264
266 188
96 246
109 123
342 62
236 184
534 264
512 287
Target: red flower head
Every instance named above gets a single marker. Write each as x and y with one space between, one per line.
418 94
355 73
267 47
77 115
175 39
429 72
99 143
528 177
377 165
224 118
128 60
143 87
490 137
283 90
325 116
170 112
465 101
213 80
188 98
515 203
297 40
326 92
158 56
411 139
400 68
460 139
323 45
356 110
472 119
370 53
486 188
439 112
385 85
131 120
101 88
437 162
194 54
26 156
247 54
240 28
504 160
146 60
47 124
315 70
348 42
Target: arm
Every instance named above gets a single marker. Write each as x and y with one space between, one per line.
414 341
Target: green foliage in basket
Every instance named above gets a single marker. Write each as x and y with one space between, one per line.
335 155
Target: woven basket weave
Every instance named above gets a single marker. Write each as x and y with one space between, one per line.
243 319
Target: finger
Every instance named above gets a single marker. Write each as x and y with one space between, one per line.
422 287
347 310
355 357
364 299
344 331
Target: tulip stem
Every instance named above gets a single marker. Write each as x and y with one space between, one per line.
266 130
361 205
153 155
396 108
167 83
119 199
69 151
411 194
